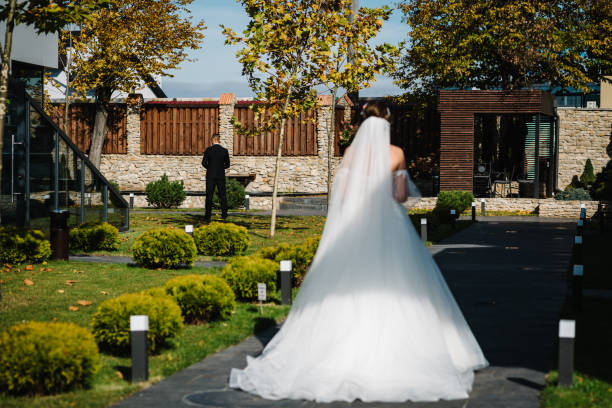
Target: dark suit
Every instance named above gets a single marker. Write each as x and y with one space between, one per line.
215 161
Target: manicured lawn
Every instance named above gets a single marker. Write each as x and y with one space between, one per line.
53 292
593 353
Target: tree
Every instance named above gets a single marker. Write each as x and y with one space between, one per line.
501 44
127 44
283 43
349 61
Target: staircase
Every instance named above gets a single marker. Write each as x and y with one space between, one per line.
304 203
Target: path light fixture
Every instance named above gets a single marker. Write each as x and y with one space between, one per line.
139 327
567 333
285 278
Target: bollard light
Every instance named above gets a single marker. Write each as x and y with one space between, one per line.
139 327
189 229
285 275
473 211
261 295
247 204
453 214
567 334
580 227
578 250
577 274
89 199
131 200
482 207
424 229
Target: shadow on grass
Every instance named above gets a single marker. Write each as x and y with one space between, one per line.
126 372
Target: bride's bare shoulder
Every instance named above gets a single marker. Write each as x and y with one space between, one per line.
397 158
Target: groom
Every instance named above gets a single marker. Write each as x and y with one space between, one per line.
215 161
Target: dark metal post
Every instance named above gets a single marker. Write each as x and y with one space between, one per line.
580 227
577 274
246 202
56 174
602 219
59 234
131 200
453 215
578 249
105 202
139 327
567 333
473 211
82 191
285 278
482 207
424 229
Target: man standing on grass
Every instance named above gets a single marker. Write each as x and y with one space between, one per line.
215 161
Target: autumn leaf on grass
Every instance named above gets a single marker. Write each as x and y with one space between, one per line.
83 302
29 267
104 292
73 308
2 282
60 291
119 374
28 282
8 265
70 282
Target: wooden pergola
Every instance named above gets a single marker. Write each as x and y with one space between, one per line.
457 115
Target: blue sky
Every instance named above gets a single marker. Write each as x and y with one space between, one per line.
216 70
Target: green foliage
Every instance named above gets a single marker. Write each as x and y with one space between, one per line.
111 322
94 236
300 255
46 358
575 183
235 194
451 200
113 198
221 239
509 45
243 273
19 245
164 248
202 298
588 177
165 194
573 194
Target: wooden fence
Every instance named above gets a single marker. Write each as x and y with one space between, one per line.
178 128
81 118
300 137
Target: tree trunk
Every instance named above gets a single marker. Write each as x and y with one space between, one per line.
331 138
277 169
100 127
4 71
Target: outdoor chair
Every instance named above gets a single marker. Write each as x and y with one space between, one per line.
504 184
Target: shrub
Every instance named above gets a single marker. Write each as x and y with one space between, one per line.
46 358
235 194
165 194
111 322
19 245
452 200
94 236
221 239
164 248
573 194
300 255
202 298
243 273
588 177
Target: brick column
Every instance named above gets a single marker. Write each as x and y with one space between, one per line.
226 129
134 106
324 117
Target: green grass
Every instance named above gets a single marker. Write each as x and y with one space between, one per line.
42 301
593 355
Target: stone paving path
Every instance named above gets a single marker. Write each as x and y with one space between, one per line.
508 278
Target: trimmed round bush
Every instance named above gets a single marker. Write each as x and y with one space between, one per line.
221 239
452 200
19 245
164 193
46 358
234 192
243 273
300 255
202 298
95 236
111 322
164 248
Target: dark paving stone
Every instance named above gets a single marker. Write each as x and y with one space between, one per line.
510 297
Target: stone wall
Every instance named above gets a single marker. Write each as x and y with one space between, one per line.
133 171
583 134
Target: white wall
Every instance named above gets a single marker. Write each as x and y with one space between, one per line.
30 47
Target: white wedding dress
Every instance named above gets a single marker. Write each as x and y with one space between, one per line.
374 319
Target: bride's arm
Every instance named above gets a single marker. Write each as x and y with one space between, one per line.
400 185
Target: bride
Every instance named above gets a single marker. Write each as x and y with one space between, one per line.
374 319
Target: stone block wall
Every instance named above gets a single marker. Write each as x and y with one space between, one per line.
583 134
133 171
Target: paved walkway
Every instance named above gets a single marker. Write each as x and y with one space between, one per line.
508 278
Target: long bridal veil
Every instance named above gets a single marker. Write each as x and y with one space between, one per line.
374 319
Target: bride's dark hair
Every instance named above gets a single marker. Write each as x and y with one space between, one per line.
376 108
